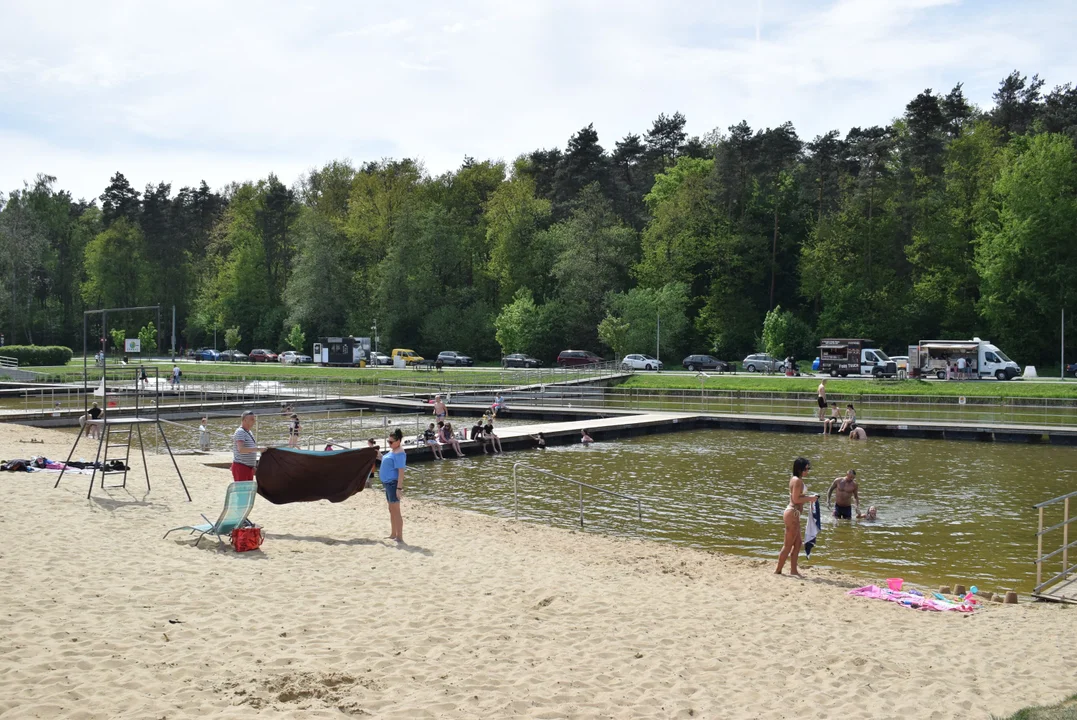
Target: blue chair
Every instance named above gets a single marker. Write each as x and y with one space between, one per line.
238 502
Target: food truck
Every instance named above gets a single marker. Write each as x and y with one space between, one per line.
343 351
854 356
981 359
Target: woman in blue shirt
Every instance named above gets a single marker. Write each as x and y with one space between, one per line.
391 473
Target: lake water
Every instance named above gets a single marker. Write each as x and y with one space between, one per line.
949 512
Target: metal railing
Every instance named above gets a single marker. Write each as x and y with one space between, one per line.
580 485
9 362
1064 549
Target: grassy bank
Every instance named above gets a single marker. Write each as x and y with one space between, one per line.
192 371
756 383
1065 710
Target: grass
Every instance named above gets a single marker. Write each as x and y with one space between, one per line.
192 371
757 383
1065 710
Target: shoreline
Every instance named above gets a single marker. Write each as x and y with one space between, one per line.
477 617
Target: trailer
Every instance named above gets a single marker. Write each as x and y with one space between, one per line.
343 351
974 358
854 356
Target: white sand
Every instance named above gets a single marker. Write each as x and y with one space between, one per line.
478 617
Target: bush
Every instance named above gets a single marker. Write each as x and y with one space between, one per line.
37 354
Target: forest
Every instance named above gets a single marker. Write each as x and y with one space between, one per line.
953 221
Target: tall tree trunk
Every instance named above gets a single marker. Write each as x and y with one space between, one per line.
774 254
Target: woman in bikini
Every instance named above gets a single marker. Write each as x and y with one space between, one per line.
797 497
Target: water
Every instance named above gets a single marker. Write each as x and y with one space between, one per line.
949 512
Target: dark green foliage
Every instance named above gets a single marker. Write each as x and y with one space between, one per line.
948 222
37 354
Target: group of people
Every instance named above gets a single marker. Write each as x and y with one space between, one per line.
845 492
844 423
961 368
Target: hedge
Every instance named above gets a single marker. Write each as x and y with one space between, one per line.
37 354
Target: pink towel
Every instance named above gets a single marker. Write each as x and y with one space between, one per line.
911 600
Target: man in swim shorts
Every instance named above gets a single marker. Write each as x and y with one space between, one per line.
821 400
846 492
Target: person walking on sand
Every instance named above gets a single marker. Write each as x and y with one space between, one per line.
846 492
440 411
245 449
391 474
798 495
821 399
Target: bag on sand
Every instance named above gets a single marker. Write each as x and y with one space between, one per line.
247 538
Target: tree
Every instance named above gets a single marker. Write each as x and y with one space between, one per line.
147 338
517 323
117 274
645 312
297 339
119 200
1026 254
1017 102
613 331
784 335
232 337
118 336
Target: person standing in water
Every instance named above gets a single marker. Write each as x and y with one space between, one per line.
821 399
798 495
846 492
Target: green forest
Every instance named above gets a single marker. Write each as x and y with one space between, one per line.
953 221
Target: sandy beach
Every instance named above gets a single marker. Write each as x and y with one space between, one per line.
476 617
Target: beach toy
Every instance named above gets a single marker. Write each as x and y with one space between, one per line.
974 590
894 584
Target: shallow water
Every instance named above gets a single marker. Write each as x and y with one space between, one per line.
949 512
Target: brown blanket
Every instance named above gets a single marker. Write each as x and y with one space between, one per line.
288 476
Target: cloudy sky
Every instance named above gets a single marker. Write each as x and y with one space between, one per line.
224 91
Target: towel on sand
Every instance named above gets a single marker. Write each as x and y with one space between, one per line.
286 475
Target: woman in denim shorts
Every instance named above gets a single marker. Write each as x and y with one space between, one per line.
391 473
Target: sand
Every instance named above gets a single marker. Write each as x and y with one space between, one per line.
477 617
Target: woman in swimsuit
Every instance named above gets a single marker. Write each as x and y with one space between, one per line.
797 497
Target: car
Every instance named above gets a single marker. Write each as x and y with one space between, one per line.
262 355
1071 369
704 362
233 356
569 358
451 357
377 358
520 360
640 362
206 354
761 362
410 357
901 362
291 357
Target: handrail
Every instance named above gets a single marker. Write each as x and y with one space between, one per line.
1066 544
581 485
9 362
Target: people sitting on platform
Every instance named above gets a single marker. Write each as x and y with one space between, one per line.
445 437
830 422
476 429
498 406
491 437
430 437
850 418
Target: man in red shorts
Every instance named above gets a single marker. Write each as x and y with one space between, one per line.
244 449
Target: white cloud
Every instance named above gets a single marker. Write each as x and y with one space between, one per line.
230 91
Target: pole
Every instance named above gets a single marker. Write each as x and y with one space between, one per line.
658 336
173 333
1062 370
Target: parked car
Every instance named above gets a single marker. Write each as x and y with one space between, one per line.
262 355
1071 369
206 354
902 362
637 361
761 362
291 357
451 357
520 360
568 358
704 362
410 357
377 358
233 355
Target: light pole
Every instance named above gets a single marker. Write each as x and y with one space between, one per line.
374 328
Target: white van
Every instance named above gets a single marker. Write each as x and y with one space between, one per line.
982 359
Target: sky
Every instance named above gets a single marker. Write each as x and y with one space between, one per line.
231 91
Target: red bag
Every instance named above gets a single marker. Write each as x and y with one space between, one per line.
247 538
